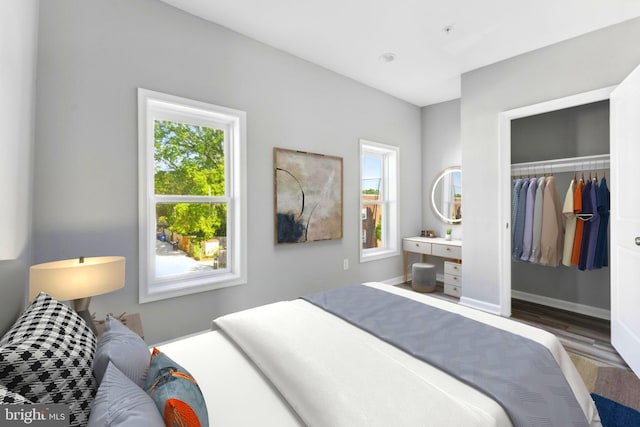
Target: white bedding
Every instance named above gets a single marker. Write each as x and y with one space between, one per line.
334 374
236 393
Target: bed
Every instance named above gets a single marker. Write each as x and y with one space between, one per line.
296 363
293 363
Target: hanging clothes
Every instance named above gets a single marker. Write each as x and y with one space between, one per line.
577 209
552 235
549 230
585 215
515 194
515 198
594 225
537 220
601 257
519 225
570 224
527 239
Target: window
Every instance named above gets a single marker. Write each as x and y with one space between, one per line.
192 182
378 200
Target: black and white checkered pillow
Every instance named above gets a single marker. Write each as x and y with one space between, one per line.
47 357
7 397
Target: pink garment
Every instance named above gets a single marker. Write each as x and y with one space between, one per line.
552 235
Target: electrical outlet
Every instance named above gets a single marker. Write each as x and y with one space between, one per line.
345 264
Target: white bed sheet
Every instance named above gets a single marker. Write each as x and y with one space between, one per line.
235 391
336 375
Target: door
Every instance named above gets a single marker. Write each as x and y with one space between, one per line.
625 220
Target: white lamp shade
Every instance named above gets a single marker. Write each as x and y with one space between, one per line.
70 279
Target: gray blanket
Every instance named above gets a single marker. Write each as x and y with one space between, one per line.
518 373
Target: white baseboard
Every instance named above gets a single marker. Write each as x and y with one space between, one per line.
563 305
393 281
400 279
480 305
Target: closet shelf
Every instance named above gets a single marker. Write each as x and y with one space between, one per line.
572 164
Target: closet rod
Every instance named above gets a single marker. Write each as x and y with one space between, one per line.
571 164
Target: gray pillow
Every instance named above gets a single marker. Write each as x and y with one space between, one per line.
125 349
121 403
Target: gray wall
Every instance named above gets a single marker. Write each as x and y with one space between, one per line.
441 148
18 32
592 61
570 132
92 57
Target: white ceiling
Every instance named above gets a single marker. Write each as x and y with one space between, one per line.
348 36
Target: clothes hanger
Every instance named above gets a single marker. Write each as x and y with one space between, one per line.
585 216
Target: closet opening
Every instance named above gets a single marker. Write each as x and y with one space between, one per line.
568 140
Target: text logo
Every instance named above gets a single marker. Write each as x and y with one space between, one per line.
40 415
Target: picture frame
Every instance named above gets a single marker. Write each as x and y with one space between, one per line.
308 196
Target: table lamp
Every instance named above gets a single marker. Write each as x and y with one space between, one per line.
78 280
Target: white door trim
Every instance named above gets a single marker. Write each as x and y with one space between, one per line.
504 176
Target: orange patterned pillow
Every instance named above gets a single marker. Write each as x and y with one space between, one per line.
175 392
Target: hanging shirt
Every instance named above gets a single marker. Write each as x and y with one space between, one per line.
515 196
577 208
519 226
570 224
552 235
586 210
594 225
537 220
601 257
527 239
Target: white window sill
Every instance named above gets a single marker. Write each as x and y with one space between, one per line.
160 292
378 255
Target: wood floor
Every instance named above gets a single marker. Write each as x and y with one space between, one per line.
584 335
580 334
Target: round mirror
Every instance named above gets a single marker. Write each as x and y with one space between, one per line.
446 195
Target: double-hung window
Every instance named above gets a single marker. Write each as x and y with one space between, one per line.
192 189
378 200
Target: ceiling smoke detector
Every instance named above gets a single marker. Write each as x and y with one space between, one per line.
387 57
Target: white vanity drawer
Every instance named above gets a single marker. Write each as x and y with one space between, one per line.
447 251
453 268
417 247
452 279
453 290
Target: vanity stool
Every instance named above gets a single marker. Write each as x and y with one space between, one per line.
424 277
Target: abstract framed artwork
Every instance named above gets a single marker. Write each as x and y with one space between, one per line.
308 196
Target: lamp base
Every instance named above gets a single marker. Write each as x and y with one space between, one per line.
81 306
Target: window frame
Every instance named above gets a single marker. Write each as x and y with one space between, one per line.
390 204
154 106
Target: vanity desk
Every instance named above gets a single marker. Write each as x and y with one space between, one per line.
451 250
